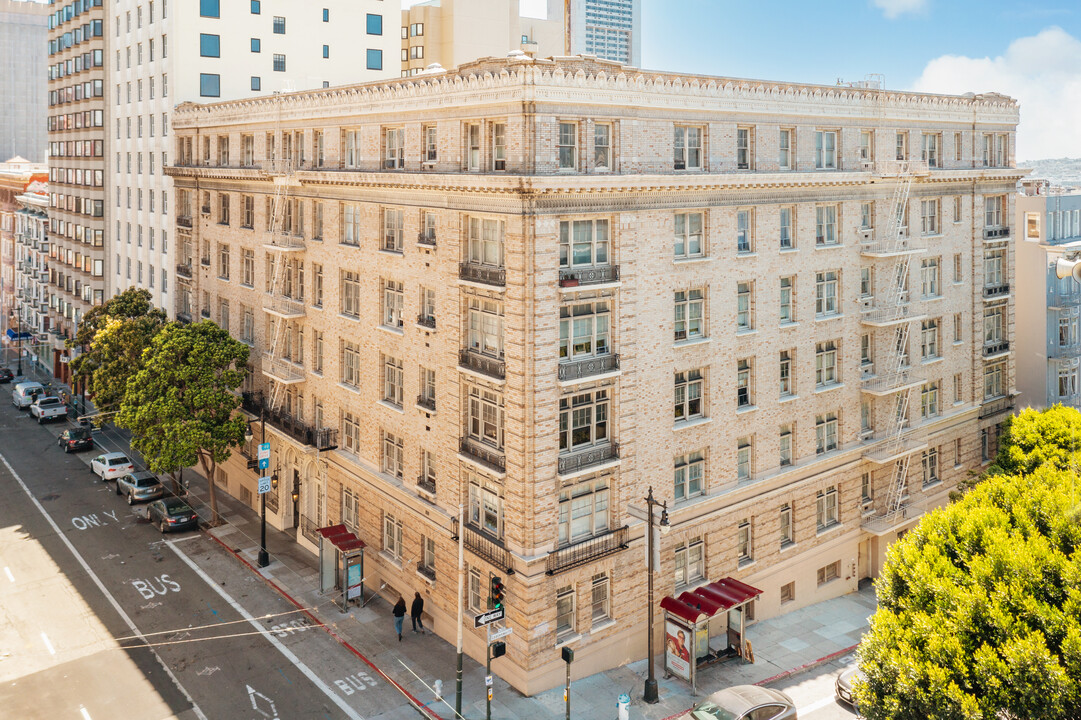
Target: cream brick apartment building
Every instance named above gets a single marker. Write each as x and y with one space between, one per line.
536 288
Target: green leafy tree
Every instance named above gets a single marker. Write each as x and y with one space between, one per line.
1037 437
181 405
113 337
980 607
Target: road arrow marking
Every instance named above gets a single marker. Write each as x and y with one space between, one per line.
253 694
208 670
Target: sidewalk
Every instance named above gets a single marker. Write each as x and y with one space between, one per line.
782 645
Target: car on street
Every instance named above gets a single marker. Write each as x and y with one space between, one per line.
170 514
77 438
6 375
48 407
846 682
139 486
744 702
25 393
110 466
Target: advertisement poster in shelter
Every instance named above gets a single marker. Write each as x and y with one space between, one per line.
677 650
354 576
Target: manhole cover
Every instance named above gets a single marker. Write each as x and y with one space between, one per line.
50 496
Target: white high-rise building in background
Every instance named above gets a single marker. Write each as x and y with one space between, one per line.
162 54
609 29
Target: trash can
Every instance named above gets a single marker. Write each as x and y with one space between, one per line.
623 705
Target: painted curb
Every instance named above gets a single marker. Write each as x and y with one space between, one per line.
420 707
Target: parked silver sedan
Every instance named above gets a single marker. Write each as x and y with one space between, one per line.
744 702
846 682
139 486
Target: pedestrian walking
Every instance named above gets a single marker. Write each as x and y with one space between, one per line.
415 611
399 616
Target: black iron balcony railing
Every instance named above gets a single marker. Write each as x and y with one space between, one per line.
428 403
990 349
996 290
426 237
426 570
489 548
426 484
484 454
587 551
584 459
183 220
486 274
205 312
308 528
184 316
184 270
426 320
594 275
996 406
324 438
996 233
484 364
587 367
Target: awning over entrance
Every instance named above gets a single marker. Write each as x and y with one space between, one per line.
13 335
340 537
704 602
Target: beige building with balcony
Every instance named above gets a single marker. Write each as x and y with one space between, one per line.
537 288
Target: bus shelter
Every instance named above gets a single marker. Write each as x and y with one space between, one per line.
693 638
341 563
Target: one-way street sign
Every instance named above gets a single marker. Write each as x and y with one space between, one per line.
489 617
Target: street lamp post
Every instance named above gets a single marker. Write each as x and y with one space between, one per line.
264 556
19 337
650 693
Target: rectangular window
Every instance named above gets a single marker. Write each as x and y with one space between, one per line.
690 563
825 432
929 211
393 302
393 230
394 149
350 364
929 278
485 331
584 330
929 400
745 231
745 148
825 150
583 511
602 147
929 338
688 395
392 380
784 156
744 550
583 420
256 83
207 8
688 235
744 384
431 144
485 242
787 303
744 306
568 146
350 294
785 445
826 225
485 417
599 594
787 382
787 236
499 147
867 146
827 293
279 62
689 314
931 143
583 243
565 615
688 148
788 592
690 472
209 45
744 458
901 146
929 465
393 450
279 25
374 24
826 371
829 573
209 85
826 508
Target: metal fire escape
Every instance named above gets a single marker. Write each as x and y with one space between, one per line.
893 381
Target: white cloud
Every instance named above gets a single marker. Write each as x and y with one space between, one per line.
893 8
1043 72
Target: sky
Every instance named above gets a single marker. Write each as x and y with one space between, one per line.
1027 49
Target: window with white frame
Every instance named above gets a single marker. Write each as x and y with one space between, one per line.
826 508
929 465
473 147
393 303
583 511
599 593
688 235
826 225
393 225
931 149
394 148
687 146
689 475
689 314
744 458
994 211
787 528
1067 382
929 339
786 218
477 597
584 330
745 148
829 573
787 379
485 416
826 370
785 444
994 325
929 212
583 243
427 557
392 380
317 352
485 244
350 509
485 506
485 327
867 145
690 566
744 306
994 267
688 395
431 144
901 146
499 147
350 224
929 399
744 550
745 231
350 364
785 148
825 432
744 384
993 381
958 324
566 622
827 292
350 293
602 146
568 146
393 451
787 312
247 267
392 536
583 420
867 282
957 388
825 150
350 432
354 143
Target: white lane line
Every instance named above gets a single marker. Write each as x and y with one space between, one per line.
86 715
297 662
101 586
7 571
817 705
49 645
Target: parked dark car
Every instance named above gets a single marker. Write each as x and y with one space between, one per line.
78 438
6 375
171 514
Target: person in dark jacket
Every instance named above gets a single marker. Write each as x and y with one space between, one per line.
415 611
399 616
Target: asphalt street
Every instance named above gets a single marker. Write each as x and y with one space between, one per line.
813 692
103 617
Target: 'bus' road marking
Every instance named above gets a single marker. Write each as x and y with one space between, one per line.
49 645
101 586
11 577
297 662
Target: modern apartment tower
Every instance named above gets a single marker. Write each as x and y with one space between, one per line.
1049 230
536 289
24 28
609 29
77 166
167 53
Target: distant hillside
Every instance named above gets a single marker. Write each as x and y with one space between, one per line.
1060 171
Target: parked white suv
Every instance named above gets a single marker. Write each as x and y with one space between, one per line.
110 466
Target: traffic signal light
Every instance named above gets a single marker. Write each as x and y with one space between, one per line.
496 592
499 649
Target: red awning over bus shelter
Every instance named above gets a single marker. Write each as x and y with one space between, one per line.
340 537
704 602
